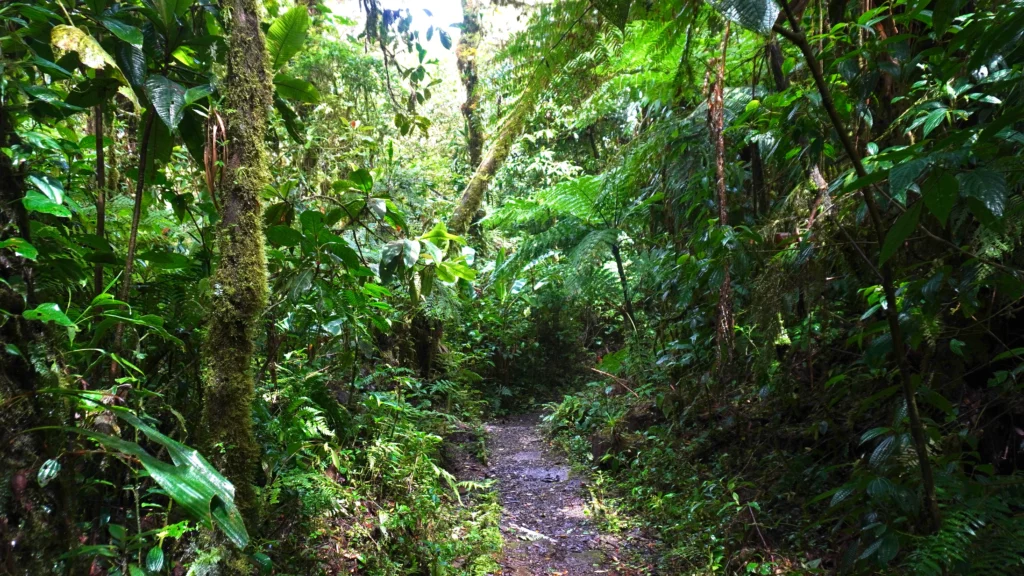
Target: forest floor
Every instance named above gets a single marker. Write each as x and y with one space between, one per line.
544 523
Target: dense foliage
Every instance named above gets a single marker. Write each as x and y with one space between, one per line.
260 262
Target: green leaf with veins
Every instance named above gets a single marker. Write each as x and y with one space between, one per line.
940 192
197 93
36 202
900 231
190 481
49 312
291 88
168 98
20 247
125 32
986 193
286 36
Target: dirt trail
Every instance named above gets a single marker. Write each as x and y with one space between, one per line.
545 528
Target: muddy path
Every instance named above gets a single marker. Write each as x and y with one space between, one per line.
545 528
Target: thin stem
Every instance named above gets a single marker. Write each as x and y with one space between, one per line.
101 194
129 263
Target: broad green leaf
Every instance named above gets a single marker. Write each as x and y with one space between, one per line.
881 487
133 64
286 36
446 40
410 252
957 347
1017 353
47 472
291 88
126 32
165 260
49 312
21 248
161 147
362 179
841 493
889 547
168 98
389 261
48 185
190 481
449 271
903 175
900 231
193 133
942 16
874 433
933 120
170 10
117 531
90 53
284 236
292 123
312 221
36 202
263 561
433 251
197 93
439 235
883 451
51 68
349 256
444 273
872 178
987 189
940 192
155 560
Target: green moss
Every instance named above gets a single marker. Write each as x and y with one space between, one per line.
240 282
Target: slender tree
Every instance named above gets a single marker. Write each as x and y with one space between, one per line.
466 53
716 124
101 194
240 281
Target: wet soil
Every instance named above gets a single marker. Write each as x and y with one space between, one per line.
545 528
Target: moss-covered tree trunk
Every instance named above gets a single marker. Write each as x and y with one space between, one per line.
466 53
240 282
500 148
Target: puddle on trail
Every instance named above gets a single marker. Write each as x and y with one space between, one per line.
545 474
527 456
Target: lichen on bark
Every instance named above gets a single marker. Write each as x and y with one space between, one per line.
240 281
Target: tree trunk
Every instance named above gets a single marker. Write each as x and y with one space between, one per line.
101 193
240 281
500 148
626 299
716 128
466 53
125 290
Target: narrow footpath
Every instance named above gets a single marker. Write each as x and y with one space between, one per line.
545 528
